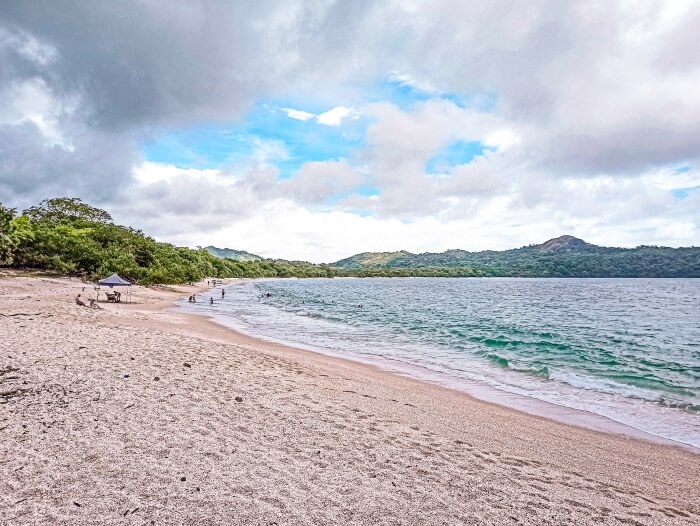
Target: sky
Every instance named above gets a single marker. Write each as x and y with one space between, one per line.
315 130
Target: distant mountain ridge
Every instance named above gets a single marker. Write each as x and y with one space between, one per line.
451 257
564 256
229 253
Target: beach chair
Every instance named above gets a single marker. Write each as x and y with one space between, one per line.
111 297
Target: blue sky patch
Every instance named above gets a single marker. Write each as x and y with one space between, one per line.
367 191
405 94
460 152
682 193
267 136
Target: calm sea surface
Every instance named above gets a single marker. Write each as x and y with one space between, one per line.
625 349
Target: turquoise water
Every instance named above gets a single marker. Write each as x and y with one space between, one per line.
625 349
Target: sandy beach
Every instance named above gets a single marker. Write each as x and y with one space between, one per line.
135 414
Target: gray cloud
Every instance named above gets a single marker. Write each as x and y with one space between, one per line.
677 51
98 168
317 182
143 63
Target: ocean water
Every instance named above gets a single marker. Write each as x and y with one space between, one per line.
626 349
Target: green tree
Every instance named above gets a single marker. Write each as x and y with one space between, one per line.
7 237
62 209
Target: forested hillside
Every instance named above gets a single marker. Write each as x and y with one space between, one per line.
565 256
68 236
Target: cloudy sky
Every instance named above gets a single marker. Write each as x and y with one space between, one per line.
318 129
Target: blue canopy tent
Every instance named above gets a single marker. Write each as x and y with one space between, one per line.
115 281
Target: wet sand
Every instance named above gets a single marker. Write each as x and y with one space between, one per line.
134 414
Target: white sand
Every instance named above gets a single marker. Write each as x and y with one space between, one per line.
315 440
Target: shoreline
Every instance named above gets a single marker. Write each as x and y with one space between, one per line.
578 418
133 413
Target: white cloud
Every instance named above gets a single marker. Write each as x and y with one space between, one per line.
502 139
32 101
407 80
268 151
179 204
335 116
28 46
284 229
670 179
319 181
149 172
299 115
482 207
682 231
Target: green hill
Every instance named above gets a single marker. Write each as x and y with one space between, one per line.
564 256
229 253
